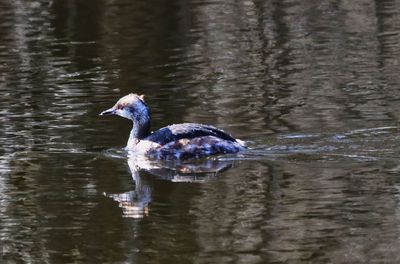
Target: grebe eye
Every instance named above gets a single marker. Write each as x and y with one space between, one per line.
120 107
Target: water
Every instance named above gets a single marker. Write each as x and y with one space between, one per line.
311 86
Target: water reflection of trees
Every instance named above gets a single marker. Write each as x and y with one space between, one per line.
255 67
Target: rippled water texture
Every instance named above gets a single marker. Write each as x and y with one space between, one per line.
312 86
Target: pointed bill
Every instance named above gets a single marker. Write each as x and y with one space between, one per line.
110 111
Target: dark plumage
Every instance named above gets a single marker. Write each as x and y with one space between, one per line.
186 130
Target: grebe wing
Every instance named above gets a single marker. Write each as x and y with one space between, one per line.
186 130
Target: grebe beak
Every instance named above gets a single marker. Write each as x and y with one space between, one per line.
110 111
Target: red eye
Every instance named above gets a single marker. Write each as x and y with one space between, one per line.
120 107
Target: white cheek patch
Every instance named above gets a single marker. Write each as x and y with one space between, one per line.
124 113
140 113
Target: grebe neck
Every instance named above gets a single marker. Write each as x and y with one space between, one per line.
140 130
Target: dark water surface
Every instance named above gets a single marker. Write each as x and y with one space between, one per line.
313 86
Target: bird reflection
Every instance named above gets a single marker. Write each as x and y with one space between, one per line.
135 203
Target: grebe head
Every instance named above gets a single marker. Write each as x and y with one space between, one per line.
133 107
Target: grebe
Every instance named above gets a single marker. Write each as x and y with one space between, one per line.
180 141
